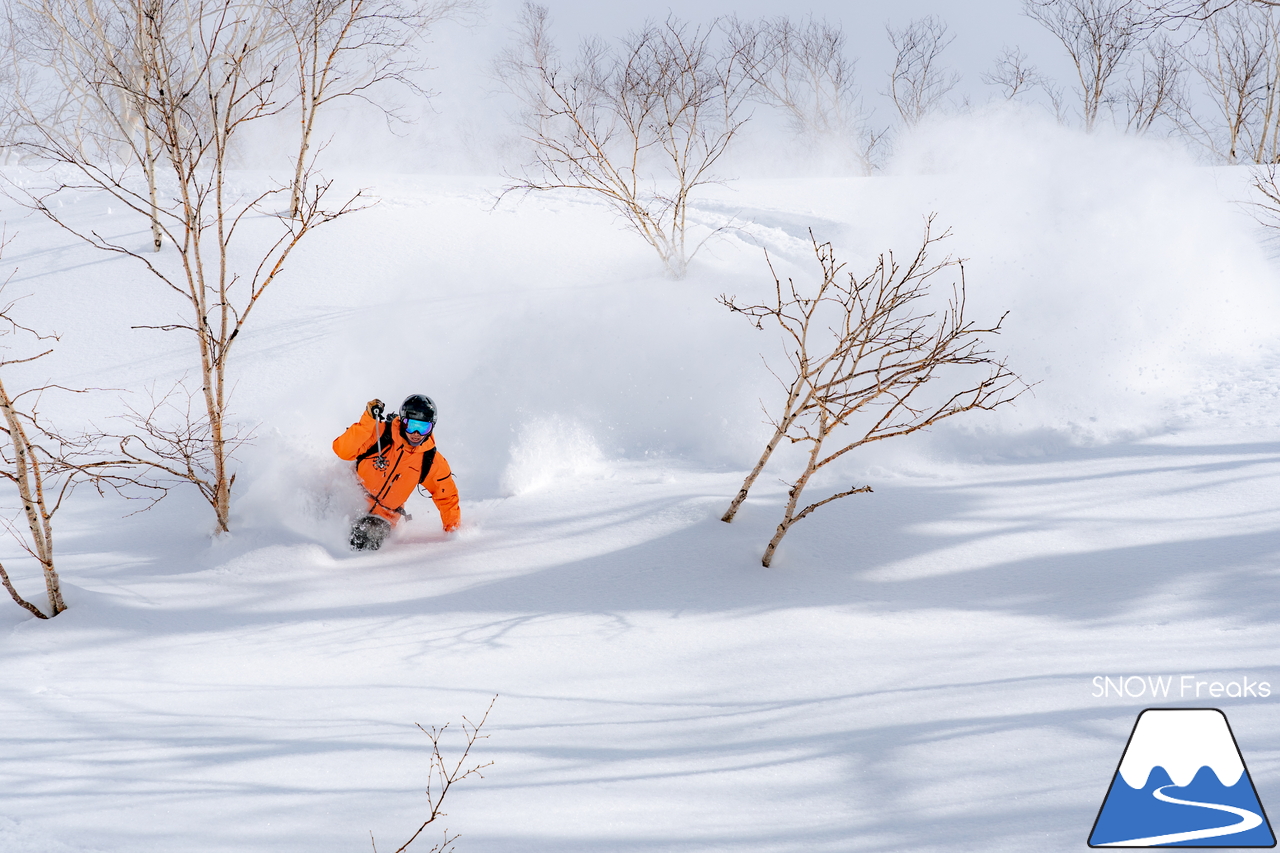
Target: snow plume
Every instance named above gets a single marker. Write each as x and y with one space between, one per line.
1129 272
292 486
1129 275
549 450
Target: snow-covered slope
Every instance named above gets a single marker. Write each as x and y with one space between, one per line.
915 672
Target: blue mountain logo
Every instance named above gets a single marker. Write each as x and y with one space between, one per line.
1181 783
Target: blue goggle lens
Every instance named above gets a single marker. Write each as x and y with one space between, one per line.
420 427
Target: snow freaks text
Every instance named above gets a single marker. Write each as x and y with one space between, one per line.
1178 687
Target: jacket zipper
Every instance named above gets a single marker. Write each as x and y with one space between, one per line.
386 486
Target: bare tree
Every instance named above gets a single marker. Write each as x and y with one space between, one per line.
100 59
1174 12
217 70
1240 69
918 81
1266 147
28 465
104 57
346 49
44 467
861 354
1157 89
1266 182
1099 36
804 70
1016 77
640 125
1012 73
442 775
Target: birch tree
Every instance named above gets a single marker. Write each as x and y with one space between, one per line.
100 63
640 125
919 81
218 69
1099 36
348 49
28 466
866 362
44 467
1239 66
803 69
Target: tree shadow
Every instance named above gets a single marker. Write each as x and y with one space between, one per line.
843 555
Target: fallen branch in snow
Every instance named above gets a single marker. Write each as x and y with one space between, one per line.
863 347
444 774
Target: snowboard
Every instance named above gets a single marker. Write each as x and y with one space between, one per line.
368 533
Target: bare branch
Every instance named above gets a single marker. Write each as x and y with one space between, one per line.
1158 89
443 775
1099 36
803 69
172 85
1016 77
22 602
862 352
918 81
345 49
639 126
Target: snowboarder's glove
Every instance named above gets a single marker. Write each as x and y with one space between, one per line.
375 409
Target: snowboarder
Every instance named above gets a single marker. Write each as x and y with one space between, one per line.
392 456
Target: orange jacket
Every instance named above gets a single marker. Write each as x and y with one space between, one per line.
390 476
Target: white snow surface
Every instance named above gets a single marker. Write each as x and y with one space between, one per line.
1181 741
915 672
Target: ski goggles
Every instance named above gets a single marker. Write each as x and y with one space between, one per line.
420 427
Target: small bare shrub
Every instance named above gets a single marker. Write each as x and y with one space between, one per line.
640 124
861 354
442 776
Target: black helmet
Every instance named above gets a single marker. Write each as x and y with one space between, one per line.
419 407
